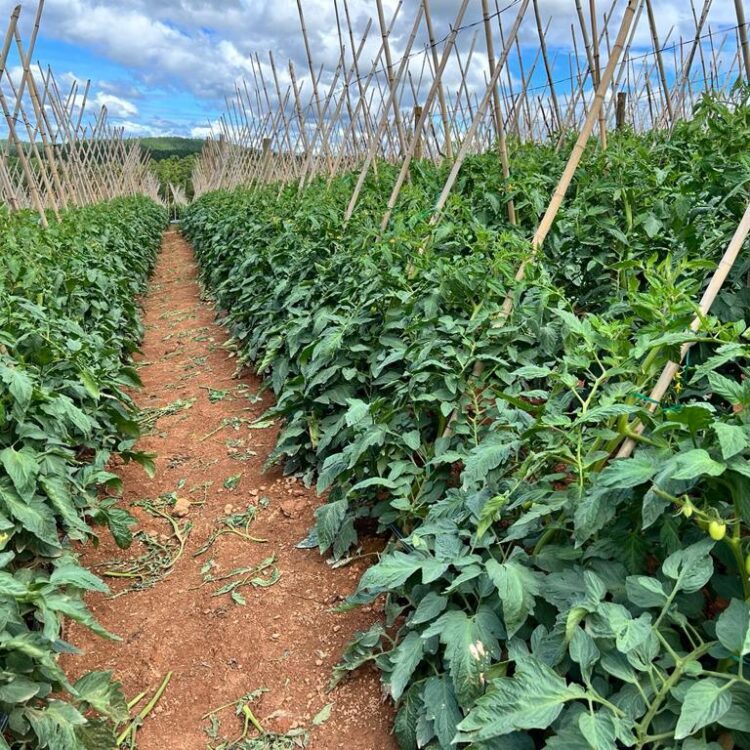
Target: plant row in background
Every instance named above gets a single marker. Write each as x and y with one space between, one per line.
537 593
69 322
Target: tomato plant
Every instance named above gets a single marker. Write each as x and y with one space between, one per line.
69 321
536 592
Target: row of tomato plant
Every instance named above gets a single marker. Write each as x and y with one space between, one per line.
69 322
536 592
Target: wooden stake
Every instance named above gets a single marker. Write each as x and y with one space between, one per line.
622 98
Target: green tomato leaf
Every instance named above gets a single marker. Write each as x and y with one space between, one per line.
391 572
441 708
691 567
733 628
532 699
518 587
696 463
470 643
645 592
732 439
405 658
22 468
705 703
598 729
103 694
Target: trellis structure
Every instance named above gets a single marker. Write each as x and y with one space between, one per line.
399 109
256 143
51 158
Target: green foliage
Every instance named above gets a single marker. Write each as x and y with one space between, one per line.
166 147
177 171
537 594
68 325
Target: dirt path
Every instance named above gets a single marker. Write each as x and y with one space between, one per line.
285 639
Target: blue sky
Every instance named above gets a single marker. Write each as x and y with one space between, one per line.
165 66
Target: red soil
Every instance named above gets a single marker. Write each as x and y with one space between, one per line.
285 639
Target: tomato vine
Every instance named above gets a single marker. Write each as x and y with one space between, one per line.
537 593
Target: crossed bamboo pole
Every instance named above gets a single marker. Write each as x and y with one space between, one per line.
52 160
358 119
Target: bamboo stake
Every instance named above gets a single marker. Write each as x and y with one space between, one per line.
41 119
449 44
502 144
566 178
742 32
575 157
461 156
385 35
596 72
509 76
41 166
32 45
320 131
659 60
316 96
361 104
13 135
688 63
625 61
548 70
362 88
447 145
526 81
463 88
585 35
384 120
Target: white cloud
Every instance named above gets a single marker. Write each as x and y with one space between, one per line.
203 47
201 131
116 106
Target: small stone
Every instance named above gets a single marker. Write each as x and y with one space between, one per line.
228 509
181 507
318 662
288 510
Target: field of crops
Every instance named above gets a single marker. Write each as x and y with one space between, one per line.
538 593
69 322
406 404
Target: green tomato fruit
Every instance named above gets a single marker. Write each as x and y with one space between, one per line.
717 530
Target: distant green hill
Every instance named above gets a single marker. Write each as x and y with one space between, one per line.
165 147
160 148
